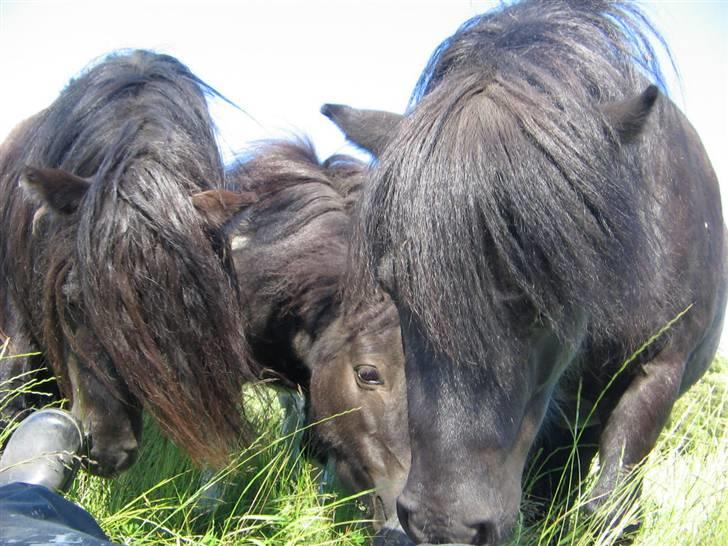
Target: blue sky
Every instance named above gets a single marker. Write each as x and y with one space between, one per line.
280 60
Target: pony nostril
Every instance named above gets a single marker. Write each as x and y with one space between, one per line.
403 514
128 459
380 512
485 534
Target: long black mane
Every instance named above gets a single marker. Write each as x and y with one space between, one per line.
506 198
293 246
151 280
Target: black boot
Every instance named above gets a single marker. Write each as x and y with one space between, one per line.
43 450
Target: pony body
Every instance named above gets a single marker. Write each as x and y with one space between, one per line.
538 214
110 269
291 249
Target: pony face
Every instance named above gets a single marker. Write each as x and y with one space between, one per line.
110 415
362 377
112 422
291 252
472 425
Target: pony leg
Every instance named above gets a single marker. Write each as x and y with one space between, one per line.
560 462
635 423
16 374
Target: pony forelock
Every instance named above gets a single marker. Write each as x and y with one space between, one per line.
505 200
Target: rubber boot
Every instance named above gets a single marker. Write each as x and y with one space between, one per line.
43 450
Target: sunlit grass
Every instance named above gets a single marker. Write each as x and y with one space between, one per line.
684 498
271 495
24 384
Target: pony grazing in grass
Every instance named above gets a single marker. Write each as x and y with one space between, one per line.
291 251
539 214
115 262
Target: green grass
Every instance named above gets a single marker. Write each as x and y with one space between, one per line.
684 498
269 495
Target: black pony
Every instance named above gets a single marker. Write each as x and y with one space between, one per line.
115 264
538 215
291 249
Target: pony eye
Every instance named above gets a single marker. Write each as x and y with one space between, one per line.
368 375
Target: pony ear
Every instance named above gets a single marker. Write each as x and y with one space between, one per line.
628 117
55 189
220 206
368 129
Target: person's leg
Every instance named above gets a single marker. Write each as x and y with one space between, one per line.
43 450
33 514
40 458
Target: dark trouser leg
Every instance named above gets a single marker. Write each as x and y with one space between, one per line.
33 514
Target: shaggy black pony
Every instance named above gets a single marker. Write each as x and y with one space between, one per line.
115 263
291 250
539 214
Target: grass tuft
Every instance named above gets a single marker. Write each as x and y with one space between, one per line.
684 497
267 495
270 495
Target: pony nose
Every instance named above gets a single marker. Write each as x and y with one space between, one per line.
423 528
109 461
